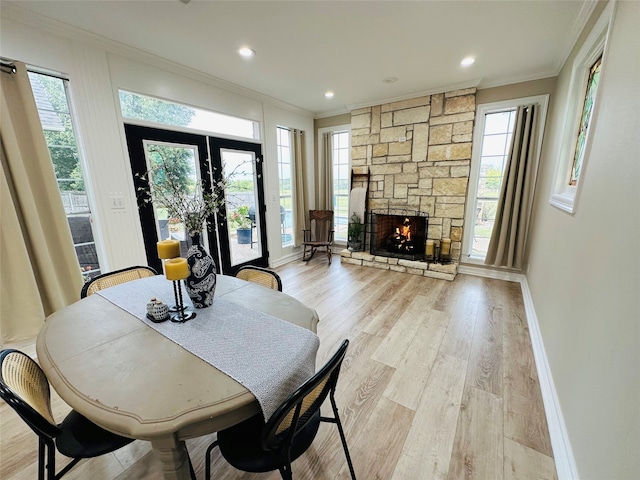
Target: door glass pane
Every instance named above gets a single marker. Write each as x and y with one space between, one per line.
243 218
182 160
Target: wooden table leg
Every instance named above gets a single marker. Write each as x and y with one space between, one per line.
174 457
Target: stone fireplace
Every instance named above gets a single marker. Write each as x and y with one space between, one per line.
418 153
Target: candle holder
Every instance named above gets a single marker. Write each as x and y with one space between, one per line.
182 312
445 251
177 269
176 307
444 258
429 251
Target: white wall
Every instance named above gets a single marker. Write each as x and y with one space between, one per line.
585 268
97 70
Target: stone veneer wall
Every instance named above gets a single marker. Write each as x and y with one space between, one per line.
418 152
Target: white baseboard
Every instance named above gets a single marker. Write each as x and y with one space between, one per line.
490 273
286 259
563 455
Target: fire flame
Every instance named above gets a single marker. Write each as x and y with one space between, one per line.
406 229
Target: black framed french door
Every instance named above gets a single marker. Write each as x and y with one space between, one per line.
241 163
190 153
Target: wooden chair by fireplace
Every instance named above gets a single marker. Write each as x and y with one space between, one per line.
319 235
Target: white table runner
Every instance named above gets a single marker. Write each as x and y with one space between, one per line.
268 356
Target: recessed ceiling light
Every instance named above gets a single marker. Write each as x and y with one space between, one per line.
329 94
390 80
467 61
246 52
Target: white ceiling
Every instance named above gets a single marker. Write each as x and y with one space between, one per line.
305 48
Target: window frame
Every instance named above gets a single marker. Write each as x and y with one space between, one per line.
564 196
336 224
346 128
256 131
84 169
279 146
478 134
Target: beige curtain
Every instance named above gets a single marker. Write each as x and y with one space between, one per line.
39 271
300 196
507 244
324 185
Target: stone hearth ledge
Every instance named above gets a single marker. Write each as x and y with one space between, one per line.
433 270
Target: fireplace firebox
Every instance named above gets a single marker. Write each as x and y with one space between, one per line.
399 233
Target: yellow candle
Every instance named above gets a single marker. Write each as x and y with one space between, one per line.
445 246
176 269
429 248
168 249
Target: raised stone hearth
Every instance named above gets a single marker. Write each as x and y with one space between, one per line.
433 270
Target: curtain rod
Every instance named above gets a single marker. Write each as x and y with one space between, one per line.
7 66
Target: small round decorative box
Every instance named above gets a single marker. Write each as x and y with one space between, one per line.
150 305
160 312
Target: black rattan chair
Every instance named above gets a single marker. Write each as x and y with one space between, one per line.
116 277
24 386
263 276
253 446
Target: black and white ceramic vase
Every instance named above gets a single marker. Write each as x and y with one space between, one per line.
201 282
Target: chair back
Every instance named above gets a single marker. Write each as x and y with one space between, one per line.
114 278
321 225
25 388
262 276
294 413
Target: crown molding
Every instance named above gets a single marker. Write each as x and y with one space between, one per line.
332 113
575 30
421 93
14 13
518 79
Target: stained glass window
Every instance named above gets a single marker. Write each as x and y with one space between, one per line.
585 120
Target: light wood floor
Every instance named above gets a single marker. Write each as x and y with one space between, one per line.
439 382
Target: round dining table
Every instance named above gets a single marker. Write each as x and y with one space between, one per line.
125 376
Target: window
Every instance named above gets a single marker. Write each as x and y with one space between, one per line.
497 129
495 123
53 108
283 144
141 107
585 120
341 187
582 104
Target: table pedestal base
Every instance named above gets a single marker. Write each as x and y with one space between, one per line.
174 458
